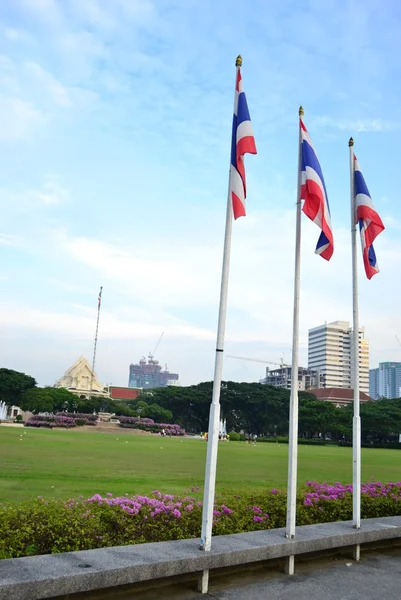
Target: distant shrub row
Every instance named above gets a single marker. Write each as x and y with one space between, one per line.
65 420
236 437
146 424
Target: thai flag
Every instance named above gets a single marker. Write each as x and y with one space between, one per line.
242 143
370 224
313 192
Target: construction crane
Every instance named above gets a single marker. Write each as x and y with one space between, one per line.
281 364
152 354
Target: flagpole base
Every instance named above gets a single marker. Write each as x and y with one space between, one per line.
356 551
203 582
289 565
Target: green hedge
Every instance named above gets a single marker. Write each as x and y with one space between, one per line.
389 445
51 526
301 441
234 436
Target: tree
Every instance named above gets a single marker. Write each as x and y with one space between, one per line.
37 400
157 413
381 421
13 384
48 399
317 418
121 408
63 400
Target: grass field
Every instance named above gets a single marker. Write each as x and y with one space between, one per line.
64 464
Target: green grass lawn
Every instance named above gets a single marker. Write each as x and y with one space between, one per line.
64 464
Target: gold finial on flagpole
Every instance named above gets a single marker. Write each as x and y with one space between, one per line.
301 111
351 142
238 62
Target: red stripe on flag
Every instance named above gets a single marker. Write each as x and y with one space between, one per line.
245 145
238 207
312 194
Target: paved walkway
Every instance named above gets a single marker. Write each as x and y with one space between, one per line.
376 577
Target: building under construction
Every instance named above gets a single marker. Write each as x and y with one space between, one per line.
149 374
307 378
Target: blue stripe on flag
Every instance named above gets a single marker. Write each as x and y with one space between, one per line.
360 185
234 143
242 111
372 256
322 241
309 159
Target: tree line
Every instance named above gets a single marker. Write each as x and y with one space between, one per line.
263 410
250 407
22 390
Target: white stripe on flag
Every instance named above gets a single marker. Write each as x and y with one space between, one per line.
244 129
236 185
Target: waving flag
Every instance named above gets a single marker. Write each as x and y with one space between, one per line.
313 192
370 224
242 143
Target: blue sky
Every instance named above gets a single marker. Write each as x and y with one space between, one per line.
115 120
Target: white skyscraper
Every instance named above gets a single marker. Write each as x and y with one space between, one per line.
330 352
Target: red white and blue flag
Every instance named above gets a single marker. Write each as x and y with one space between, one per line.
313 192
370 224
242 143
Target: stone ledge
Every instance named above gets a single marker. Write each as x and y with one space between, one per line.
49 576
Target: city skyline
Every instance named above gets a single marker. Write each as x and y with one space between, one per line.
115 129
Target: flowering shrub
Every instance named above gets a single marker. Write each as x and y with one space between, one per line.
49 526
149 425
89 419
66 420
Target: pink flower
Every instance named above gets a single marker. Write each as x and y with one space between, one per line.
226 510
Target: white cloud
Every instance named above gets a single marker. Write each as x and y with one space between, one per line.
51 192
8 239
137 9
18 119
180 274
47 11
12 34
376 125
78 324
49 84
108 15
158 274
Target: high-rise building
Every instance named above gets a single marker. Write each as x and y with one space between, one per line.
385 381
307 378
374 383
330 352
147 375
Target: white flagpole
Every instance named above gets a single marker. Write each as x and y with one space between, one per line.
356 423
95 343
214 416
293 432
